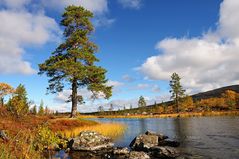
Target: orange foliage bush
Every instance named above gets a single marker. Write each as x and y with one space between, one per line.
231 98
187 104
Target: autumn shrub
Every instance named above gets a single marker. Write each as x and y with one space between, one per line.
5 89
20 146
45 138
212 103
18 104
187 104
231 99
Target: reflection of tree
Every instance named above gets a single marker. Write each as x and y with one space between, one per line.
179 129
143 126
182 130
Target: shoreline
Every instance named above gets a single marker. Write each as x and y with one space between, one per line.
171 115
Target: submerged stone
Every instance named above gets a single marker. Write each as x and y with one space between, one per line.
164 152
138 155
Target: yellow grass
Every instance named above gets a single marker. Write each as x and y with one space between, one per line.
112 130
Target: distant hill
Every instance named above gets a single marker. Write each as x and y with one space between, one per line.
204 95
215 92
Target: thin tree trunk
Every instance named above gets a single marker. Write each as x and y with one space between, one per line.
1 101
74 98
177 107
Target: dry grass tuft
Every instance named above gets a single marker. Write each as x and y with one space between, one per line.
112 130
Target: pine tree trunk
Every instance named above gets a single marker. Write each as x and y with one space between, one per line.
1 101
177 105
74 98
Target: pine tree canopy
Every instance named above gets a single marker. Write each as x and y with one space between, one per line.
73 61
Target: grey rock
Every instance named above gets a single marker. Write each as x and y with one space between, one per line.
143 142
138 155
121 151
160 136
90 141
164 152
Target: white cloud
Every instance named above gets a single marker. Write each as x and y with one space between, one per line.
155 88
19 29
96 6
63 96
128 78
136 4
204 62
103 21
13 4
142 86
229 19
114 83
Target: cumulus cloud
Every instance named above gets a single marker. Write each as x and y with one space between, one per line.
114 83
20 28
142 86
204 62
155 88
135 4
128 78
13 4
87 95
96 6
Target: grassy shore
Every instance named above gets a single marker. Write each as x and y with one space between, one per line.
29 134
170 115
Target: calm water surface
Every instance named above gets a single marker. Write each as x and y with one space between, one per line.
200 137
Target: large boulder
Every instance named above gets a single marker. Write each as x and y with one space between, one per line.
120 153
138 155
90 141
164 152
156 145
160 136
143 142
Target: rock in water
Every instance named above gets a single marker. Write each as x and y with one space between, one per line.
164 152
155 145
3 135
169 143
144 142
90 141
160 136
138 155
121 151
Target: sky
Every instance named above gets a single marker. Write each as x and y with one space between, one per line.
141 43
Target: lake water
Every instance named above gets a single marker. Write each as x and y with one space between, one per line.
200 137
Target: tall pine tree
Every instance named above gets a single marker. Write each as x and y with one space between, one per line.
176 89
73 61
141 102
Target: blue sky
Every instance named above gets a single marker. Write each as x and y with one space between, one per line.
141 43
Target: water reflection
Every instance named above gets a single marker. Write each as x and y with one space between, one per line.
202 137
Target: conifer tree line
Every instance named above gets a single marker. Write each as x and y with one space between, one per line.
18 103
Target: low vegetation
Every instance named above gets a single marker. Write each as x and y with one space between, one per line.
113 130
